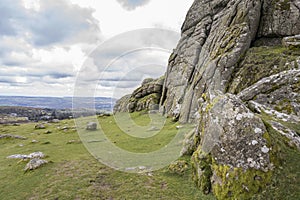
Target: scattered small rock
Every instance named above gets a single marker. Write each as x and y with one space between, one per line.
179 127
9 136
54 121
74 142
48 132
34 141
30 156
91 126
39 126
34 164
64 128
37 155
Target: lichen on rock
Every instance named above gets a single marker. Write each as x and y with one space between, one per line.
146 97
235 74
232 149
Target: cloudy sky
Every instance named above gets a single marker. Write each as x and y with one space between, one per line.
47 47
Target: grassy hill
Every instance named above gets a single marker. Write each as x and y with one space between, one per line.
73 173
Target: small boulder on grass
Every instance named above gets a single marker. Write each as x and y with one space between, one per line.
91 126
74 142
48 132
54 121
39 126
34 164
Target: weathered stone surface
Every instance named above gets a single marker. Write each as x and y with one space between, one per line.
39 126
34 164
228 129
215 35
259 108
294 138
30 156
263 62
291 42
276 119
280 18
146 97
122 104
231 138
279 92
54 121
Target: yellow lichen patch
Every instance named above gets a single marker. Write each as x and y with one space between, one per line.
201 165
237 183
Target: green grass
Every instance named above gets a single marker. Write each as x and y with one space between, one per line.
135 144
75 174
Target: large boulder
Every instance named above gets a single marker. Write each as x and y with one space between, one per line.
122 104
215 36
232 149
146 97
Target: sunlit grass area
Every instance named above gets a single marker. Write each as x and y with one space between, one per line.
72 173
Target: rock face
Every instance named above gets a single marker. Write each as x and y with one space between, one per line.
280 18
146 97
230 137
215 35
235 73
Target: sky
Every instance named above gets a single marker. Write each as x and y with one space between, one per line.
50 47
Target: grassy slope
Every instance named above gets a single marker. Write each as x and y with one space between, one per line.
75 174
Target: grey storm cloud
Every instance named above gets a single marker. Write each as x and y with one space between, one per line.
11 11
56 21
132 4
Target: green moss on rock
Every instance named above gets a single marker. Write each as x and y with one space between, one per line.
237 183
202 172
283 5
261 62
179 167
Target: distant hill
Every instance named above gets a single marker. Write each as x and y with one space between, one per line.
101 103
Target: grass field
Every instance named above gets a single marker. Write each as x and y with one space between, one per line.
74 174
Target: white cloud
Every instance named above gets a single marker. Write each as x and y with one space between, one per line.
43 43
132 4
